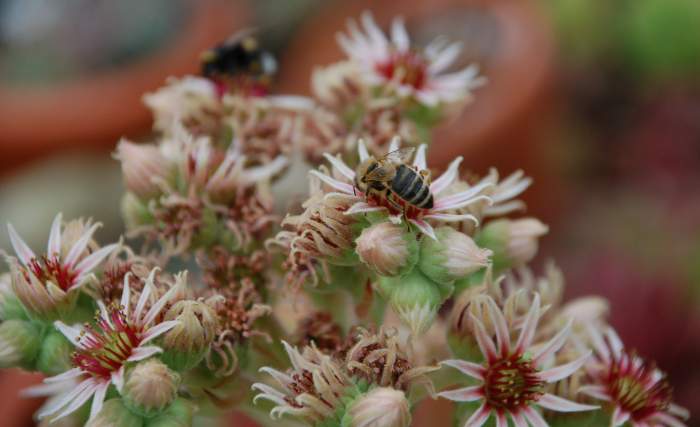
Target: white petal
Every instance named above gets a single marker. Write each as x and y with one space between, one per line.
395 144
502 336
556 403
399 36
678 411
452 217
445 58
54 247
529 326
424 228
144 352
94 259
362 150
474 370
46 389
70 332
563 371
518 419
501 420
488 349
479 417
419 161
619 417
21 249
467 394
158 306
334 183
616 344
462 196
118 378
79 246
596 392
444 181
340 166
126 294
68 375
159 330
534 417
455 202
362 207
668 420
79 398
98 399
260 173
553 345
145 294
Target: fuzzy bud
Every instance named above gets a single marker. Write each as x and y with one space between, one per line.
415 298
186 344
10 307
380 407
41 300
114 414
55 354
142 166
150 387
387 249
20 341
452 256
514 242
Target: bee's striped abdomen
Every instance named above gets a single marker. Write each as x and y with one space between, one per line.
410 186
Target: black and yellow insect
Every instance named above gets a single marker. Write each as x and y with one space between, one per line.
390 178
238 56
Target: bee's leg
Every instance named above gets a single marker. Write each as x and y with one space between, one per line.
426 175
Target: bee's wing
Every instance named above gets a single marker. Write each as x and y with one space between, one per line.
402 155
380 174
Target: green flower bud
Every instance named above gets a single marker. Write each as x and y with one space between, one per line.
54 354
150 387
388 249
20 341
10 307
115 414
513 242
415 298
452 256
380 407
179 414
186 344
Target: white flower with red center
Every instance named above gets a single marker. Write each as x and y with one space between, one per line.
638 392
418 73
42 283
342 178
120 335
513 377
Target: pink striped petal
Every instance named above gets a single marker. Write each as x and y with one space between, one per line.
563 371
126 294
534 417
98 399
64 376
334 183
118 378
472 369
518 419
362 150
395 144
462 198
159 330
668 420
544 352
599 345
79 399
619 417
80 246
424 228
502 336
444 181
501 420
363 207
615 342
419 161
596 392
529 326
399 36
70 332
445 58
678 411
556 403
467 394
452 217
144 352
488 349
479 417
93 260
340 166
54 247
23 252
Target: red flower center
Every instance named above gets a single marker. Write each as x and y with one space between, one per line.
408 67
637 388
107 345
511 383
51 269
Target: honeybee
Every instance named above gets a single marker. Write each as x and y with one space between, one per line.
390 178
238 56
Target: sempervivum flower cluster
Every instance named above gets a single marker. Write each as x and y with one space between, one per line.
367 384
388 266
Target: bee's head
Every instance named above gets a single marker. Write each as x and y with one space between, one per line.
361 171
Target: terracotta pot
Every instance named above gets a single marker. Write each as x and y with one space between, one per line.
96 111
509 39
16 411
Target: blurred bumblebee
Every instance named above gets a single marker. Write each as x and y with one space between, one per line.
390 178
239 59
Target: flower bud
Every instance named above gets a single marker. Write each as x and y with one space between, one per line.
186 344
10 307
142 166
114 414
387 249
19 343
452 256
40 300
415 298
150 387
55 354
514 242
380 407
